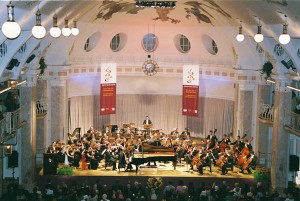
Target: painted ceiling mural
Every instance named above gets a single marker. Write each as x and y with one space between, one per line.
199 10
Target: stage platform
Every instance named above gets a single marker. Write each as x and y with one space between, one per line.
164 170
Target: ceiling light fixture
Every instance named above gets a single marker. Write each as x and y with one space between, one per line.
240 37
55 31
259 37
66 31
10 28
284 38
38 31
75 30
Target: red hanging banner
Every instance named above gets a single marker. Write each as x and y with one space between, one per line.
190 96
108 99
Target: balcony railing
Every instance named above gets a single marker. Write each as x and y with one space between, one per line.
266 112
10 124
292 121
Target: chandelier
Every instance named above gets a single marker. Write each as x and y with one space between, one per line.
150 67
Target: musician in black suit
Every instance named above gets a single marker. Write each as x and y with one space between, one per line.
186 132
147 121
212 136
205 162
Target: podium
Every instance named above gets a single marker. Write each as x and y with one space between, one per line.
147 126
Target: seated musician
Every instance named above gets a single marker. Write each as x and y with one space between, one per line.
175 132
191 153
204 161
250 162
90 157
119 140
225 164
186 132
110 158
161 133
131 153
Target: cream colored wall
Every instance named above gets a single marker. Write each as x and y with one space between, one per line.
209 87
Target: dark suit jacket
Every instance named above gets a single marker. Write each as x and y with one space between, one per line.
149 121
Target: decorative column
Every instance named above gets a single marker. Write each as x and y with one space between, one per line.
27 139
244 104
262 129
280 136
41 127
57 104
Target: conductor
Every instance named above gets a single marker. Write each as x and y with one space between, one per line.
147 121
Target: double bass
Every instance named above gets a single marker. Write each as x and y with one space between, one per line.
244 153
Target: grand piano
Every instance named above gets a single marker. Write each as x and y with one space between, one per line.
151 153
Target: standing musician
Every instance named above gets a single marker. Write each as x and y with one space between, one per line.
212 135
224 142
212 139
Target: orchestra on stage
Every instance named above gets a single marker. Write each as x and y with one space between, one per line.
131 146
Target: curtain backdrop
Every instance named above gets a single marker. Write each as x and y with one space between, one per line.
164 111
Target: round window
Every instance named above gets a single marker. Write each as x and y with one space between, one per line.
149 42
182 43
92 42
209 44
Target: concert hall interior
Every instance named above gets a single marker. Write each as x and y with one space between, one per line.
186 91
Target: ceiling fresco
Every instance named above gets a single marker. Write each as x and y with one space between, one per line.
201 11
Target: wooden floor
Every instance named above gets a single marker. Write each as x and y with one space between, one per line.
161 170
165 171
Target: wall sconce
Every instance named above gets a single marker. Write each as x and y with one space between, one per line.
10 28
7 150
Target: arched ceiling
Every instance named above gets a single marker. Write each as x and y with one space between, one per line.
218 19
